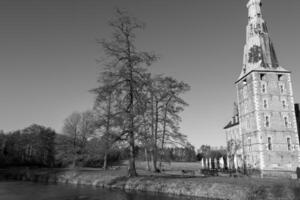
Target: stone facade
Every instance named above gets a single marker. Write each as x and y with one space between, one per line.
267 121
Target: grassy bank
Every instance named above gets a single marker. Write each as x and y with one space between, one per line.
171 181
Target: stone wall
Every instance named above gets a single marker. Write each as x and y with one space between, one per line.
267 120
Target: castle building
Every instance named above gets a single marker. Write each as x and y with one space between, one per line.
267 126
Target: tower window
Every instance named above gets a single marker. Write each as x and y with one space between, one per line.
280 77
284 104
262 76
288 140
265 103
269 143
263 87
281 88
267 121
286 121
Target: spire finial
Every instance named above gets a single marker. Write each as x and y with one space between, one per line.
254 9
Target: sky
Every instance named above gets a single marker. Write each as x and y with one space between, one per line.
48 55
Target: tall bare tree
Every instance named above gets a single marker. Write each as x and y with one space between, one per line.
171 105
126 65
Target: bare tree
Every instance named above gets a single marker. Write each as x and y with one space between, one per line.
71 129
79 127
171 105
86 129
106 108
165 105
125 64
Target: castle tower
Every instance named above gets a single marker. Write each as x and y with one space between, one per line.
268 128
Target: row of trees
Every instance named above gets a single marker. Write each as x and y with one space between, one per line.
38 146
132 107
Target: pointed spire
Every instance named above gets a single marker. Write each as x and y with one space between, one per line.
259 53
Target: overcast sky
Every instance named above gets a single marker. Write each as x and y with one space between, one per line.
48 52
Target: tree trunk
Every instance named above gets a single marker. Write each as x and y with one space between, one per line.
74 151
163 135
155 151
107 141
147 159
105 161
132 169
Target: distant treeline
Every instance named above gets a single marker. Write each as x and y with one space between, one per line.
38 146
32 146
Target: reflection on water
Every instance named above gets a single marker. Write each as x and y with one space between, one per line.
34 191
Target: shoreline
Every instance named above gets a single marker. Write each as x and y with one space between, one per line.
203 187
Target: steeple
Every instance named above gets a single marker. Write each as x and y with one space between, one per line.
259 53
266 125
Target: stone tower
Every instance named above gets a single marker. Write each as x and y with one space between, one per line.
268 128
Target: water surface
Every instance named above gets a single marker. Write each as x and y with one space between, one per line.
16 190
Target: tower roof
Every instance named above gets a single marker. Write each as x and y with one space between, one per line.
259 52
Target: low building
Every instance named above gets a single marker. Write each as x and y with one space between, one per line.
234 143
